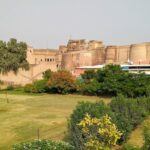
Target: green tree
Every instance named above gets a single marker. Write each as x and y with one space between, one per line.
47 74
13 56
88 75
112 80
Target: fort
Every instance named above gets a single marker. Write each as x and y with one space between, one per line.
77 53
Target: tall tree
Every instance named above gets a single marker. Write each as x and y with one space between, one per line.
13 56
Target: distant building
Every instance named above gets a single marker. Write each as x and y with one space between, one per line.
75 54
126 67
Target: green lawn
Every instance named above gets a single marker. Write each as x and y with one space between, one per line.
24 114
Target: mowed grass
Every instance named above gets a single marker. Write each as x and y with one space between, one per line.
21 118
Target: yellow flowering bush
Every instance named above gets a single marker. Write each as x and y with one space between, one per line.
99 134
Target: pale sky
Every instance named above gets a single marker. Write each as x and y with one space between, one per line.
50 23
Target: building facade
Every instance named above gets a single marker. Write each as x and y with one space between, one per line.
75 54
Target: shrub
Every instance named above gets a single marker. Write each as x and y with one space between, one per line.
91 88
124 125
47 74
112 80
135 110
74 135
99 133
40 86
10 88
43 145
28 88
88 75
126 114
62 82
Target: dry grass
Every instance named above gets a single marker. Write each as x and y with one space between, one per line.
136 137
24 114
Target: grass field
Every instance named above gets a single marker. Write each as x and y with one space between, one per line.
136 137
21 118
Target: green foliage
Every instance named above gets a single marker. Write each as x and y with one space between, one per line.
134 110
91 88
47 74
13 56
88 75
57 82
40 86
74 135
130 147
43 145
146 133
99 134
129 113
112 80
123 125
10 87
126 114
28 88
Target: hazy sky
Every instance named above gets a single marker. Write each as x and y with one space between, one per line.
49 23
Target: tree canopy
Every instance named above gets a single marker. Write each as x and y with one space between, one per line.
13 56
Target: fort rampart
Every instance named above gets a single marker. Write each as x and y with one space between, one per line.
75 54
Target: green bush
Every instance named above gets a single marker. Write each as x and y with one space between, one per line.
40 86
91 88
133 109
28 88
47 74
88 75
10 88
126 113
74 135
130 147
124 125
43 145
112 80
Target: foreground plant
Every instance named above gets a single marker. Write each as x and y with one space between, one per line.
43 145
99 134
